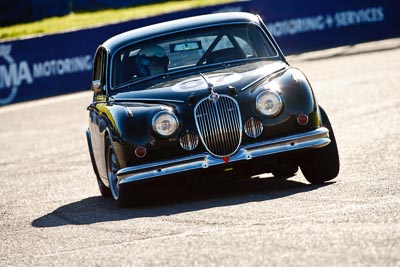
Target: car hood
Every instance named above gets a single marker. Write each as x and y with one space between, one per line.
178 89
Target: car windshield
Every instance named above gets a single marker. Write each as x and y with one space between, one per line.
195 48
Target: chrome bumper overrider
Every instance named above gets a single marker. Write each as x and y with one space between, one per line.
314 139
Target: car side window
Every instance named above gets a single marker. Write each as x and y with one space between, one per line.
99 66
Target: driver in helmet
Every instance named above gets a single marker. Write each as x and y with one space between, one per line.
152 60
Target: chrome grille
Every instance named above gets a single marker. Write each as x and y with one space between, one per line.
219 124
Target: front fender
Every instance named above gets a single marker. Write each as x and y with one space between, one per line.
129 125
297 97
132 123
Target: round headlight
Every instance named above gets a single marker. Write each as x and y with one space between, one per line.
268 103
165 123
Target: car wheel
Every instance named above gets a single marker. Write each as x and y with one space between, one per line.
104 190
112 169
322 164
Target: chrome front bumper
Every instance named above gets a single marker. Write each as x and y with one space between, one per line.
313 139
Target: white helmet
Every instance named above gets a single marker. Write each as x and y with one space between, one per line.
152 60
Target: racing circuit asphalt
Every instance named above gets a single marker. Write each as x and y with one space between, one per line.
51 213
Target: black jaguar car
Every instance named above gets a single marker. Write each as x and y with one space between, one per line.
205 97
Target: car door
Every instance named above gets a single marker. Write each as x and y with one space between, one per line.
97 122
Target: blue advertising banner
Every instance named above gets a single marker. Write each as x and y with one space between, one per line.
306 25
57 64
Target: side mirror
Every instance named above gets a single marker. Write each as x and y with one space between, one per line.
97 87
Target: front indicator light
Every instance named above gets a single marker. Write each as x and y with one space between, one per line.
140 152
302 119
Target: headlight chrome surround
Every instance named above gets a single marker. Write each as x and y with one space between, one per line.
165 123
269 103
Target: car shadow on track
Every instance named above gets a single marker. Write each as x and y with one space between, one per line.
179 199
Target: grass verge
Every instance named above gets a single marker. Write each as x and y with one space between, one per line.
97 18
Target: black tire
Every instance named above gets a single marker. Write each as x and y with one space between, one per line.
104 190
321 165
112 166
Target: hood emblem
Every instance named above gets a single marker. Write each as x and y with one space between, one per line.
213 95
